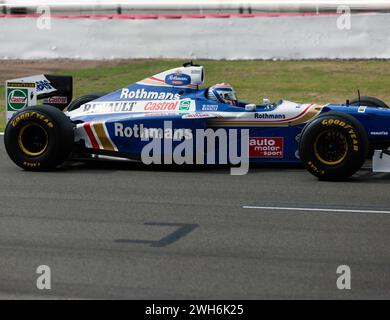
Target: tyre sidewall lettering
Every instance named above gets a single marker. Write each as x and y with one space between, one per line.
347 128
356 139
24 116
352 141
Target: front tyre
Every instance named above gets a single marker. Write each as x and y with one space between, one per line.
333 146
39 138
369 102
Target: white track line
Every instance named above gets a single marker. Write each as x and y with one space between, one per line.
315 209
1 133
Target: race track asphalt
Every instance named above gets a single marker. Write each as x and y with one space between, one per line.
135 232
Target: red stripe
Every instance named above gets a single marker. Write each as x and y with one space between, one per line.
174 16
299 115
88 130
155 79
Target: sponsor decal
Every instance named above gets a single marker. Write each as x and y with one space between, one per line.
197 116
109 107
209 107
141 132
271 116
20 85
185 105
32 115
362 109
161 106
161 114
379 133
266 147
56 100
314 167
143 94
44 85
178 79
133 106
17 99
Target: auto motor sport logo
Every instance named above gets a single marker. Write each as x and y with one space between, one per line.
263 147
17 99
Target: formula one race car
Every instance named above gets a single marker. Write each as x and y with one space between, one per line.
162 119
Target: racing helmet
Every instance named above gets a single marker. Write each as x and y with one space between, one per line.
223 92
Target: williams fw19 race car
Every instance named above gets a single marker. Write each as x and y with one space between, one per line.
332 141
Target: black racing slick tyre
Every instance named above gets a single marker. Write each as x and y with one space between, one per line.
39 138
333 146
369 102
76 103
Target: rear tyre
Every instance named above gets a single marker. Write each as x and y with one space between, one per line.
369 102
39 138
75 104
333 146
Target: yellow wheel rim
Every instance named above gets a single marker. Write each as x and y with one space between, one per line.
331 147
33 140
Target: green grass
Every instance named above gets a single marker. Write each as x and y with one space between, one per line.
300 81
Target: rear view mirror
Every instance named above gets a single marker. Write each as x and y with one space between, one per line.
250 107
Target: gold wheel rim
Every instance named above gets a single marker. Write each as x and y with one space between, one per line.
328 155
26 149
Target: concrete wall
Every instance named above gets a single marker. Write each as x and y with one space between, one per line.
284 37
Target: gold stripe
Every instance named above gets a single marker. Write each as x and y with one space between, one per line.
313 111
101 134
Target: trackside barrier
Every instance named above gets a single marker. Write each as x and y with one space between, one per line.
197 36
173 16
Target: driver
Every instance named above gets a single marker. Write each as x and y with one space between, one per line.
223 92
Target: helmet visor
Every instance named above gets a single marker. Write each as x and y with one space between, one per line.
229 97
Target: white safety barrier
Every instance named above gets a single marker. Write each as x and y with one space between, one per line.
288 37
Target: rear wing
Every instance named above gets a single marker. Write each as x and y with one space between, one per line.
24 92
